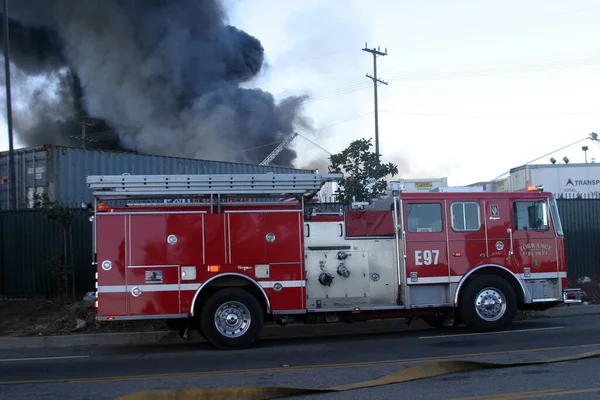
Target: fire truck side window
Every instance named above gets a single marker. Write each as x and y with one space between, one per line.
530 215
465 216
426 217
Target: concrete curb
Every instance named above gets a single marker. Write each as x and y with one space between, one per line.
165 337
91 339
270 331
572 310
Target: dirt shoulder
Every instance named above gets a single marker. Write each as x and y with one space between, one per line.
33 317
590 285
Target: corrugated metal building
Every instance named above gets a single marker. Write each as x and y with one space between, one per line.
61 171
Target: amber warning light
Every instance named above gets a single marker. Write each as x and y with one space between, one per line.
533 188
214 268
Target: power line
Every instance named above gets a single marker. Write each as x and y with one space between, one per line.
319 146
338 92
318 130
489 115
304 137
589 137
515 69
253 148
344 121
375 80
499 71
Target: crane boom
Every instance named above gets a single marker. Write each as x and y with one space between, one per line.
278 149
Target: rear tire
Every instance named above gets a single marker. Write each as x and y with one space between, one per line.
488 303
231 319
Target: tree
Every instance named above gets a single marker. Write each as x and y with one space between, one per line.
363 170
62 261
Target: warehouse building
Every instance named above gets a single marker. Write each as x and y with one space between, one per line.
61 171
581 180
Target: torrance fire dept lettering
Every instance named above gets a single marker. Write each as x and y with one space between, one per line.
212 264
535 249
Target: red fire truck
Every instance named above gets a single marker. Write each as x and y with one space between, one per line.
232 256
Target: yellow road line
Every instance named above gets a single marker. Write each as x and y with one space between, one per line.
561 393
511 396
291 368
531 395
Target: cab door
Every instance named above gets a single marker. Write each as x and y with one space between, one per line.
425 241
498 235
534 241
467 246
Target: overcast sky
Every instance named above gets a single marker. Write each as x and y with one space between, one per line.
475 88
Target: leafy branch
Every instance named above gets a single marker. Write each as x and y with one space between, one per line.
363 170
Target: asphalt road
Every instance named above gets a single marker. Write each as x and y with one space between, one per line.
110 372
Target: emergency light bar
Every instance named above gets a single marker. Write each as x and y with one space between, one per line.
539 188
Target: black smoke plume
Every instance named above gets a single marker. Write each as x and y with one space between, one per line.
152 76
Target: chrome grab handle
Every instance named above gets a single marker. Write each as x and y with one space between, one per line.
510 252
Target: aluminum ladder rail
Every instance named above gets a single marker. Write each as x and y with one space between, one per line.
222 184
278 149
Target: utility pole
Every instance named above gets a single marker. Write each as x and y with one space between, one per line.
85 123
83 134
12 178
376 52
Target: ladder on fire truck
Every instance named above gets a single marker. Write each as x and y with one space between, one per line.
126 186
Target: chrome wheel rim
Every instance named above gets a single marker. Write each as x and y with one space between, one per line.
490 304
232 319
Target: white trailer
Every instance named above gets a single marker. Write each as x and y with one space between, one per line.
422 185
459 189
568 180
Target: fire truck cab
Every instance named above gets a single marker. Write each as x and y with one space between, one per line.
230 256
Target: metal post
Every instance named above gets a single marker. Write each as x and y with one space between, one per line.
12 179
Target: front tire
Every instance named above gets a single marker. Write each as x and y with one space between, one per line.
488 303
231 319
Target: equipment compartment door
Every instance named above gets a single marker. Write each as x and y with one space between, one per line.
110 251
283 236
267 246
188 252
426 244
283 246
152 282
246 237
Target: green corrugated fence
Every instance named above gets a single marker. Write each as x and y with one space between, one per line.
28 240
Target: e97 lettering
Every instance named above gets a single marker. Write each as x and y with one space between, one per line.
427 257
